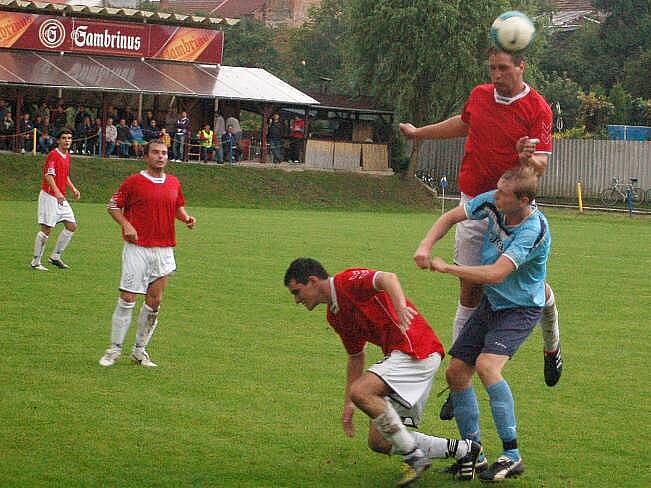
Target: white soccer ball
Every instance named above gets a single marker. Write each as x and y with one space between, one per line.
512 31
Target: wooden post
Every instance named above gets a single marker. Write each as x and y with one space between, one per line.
266 113
104 120
18 116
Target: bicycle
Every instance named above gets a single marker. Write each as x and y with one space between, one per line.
617 192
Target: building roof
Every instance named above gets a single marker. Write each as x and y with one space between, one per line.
121 14
357 104
221 8
573 5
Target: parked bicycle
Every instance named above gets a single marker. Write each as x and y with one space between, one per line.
617 192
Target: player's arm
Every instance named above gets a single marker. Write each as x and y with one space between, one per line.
486 274
527 155
391 285
57 193
129 230
355 370
449 128
72 187
183 216
440 228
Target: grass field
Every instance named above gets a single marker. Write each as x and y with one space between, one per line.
249 387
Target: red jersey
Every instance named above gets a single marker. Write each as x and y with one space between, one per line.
150 204
495 125
56 165
360 313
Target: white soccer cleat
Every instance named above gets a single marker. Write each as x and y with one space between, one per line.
140 356
39 267
111 355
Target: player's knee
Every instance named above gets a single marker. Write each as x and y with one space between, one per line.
456 376
379 444
358 394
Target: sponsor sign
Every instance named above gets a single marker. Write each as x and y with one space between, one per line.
70 34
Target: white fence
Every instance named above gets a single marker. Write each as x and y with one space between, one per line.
593 163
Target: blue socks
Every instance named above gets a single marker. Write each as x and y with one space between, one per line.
501 401
466 413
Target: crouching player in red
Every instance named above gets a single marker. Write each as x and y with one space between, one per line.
363 306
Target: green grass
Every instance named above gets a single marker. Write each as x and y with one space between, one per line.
249 388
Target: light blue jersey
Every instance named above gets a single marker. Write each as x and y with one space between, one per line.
526 244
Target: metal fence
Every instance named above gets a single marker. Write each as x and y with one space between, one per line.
593 163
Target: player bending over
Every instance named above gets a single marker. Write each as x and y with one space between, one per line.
363 306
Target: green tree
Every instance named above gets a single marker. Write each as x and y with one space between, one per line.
562 93
595 111
622 105
251 44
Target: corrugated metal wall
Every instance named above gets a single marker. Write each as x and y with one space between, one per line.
593 163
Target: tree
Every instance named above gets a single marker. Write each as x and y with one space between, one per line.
422 57
250 43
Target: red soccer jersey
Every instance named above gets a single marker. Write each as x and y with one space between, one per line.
359 314
150 204
495 125
56 165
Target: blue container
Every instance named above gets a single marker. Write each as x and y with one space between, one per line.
629 133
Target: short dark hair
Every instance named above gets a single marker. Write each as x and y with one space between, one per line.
516 57
152 142
301 269
63 132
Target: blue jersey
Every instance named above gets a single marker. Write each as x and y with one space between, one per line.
526 245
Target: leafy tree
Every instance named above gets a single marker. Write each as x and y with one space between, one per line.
622 105
251 44
562 93
637 75
594 112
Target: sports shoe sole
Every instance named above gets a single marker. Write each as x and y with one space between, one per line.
58 263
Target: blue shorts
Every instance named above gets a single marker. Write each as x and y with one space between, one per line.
491 331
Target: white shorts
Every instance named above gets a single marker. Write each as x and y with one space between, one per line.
141 266
469 239
50 213
411 381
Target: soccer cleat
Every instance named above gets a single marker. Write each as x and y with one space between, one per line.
415 464
111 355
39 267
140 356
58 263
503 468
455 469
553 367
447 410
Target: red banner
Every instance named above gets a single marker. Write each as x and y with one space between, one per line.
69 34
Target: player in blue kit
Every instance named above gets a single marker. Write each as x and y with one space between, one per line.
512 274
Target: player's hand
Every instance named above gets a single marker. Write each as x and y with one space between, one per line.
76 194
405 316
347 419
407 130
190 222
437 264
525 148
60 198
130 233
421 257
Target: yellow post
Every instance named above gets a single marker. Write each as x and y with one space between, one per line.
578 194
34 143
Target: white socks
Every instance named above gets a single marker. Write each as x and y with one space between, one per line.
39 246
392 429
460 319
62 243
146 325
549 324
439 448
121 321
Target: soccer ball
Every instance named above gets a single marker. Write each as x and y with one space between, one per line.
512 31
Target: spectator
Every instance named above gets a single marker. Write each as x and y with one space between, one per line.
229 144
57 119
96 142
124 138
205 141
237 130
275 135
84 135
26 130
46 142
7 131
165 137
80 117
39 125
149 118
137 137
296 135
182 130
129 116
4 108
43 110
152 131
111 137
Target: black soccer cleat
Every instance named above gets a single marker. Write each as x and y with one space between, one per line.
553 367
447 409
456 469
501 469
59 264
